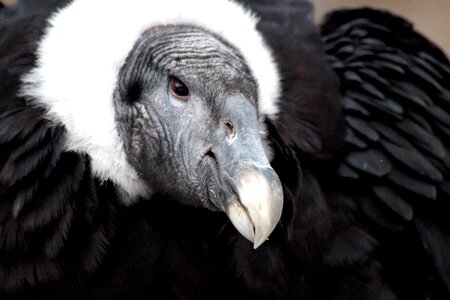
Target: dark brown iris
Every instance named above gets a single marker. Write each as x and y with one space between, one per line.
178 89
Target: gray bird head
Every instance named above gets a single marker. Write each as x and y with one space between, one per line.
186 109
182 119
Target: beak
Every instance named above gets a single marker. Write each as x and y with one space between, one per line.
254 201
257 206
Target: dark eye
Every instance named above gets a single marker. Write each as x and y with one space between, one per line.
178 89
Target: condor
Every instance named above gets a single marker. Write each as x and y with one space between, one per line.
161 149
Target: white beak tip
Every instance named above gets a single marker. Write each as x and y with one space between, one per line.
259 243
258 209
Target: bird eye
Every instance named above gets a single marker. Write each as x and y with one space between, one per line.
178 89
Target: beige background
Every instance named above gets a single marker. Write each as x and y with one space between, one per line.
8 2
430 17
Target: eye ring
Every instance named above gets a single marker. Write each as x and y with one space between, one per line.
178 89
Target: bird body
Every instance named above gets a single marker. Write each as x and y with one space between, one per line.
141 153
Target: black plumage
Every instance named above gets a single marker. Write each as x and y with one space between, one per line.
413 141
361 146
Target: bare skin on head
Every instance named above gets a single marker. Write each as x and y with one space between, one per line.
188 96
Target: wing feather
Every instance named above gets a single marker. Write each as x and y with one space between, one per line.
396 93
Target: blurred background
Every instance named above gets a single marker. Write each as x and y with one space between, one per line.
8 2
430 17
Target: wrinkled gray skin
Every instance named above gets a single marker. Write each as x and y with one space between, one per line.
200 150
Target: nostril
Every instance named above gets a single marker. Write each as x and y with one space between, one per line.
210 154
229 129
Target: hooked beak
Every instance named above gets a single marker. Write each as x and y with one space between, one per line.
254 201
257 207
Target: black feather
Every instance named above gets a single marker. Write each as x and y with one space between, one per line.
413 160
354 140
378 214
394 201
363 128
346 171
401 81
362 154
372 162
422 138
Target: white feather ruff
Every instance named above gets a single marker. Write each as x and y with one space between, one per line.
86 44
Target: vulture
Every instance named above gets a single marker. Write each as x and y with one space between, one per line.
221 149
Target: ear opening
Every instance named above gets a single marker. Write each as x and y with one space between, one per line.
133 92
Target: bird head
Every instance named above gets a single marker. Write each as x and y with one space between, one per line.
169 102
